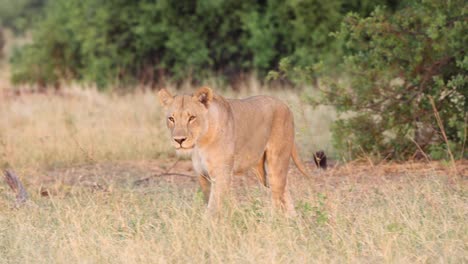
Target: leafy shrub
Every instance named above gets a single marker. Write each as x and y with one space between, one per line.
19 14
2 42
396 64
121 40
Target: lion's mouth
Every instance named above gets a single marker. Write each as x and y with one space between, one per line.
184 147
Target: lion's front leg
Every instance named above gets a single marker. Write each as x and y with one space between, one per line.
205 184
220 186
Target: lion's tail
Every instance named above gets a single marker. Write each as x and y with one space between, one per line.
297 160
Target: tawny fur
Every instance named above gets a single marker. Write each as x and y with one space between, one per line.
231 136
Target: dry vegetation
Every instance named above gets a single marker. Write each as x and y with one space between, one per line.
80 154
40 130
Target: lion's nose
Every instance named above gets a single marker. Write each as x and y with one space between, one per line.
180 139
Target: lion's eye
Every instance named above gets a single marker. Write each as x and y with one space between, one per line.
171 119
191 118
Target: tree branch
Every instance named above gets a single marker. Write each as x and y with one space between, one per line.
164 174
15 184
147 179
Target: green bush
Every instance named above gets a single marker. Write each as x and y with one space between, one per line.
2 42
19 15
112 41
395 64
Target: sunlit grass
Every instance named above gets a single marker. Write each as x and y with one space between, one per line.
63 146
418 219
86 127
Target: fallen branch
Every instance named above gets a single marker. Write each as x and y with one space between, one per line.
320 159
164 174
147 179
15 184
442 130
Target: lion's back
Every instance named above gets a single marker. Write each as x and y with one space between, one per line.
257 106
255 119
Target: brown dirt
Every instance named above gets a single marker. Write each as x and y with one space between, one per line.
137 174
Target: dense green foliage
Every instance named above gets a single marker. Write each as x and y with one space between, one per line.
18 15
396 65
121 40
392 58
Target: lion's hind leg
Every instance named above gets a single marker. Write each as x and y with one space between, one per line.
278 163
261 171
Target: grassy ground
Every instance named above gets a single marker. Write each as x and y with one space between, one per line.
82 154
351 214
84 126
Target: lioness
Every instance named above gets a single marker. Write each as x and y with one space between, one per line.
231 136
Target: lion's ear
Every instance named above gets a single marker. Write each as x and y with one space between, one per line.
203 95
165 97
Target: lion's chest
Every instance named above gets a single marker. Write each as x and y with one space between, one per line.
199 162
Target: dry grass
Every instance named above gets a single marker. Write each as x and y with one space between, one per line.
80 154
40 130
352 214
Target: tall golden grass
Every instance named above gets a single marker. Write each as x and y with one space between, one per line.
83 126
347 215
80 152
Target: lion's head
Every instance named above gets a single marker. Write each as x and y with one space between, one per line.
186 116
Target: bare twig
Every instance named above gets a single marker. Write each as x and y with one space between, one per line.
462 152
420 149
442 130
85 152
172 166
164 174
147 179
320 159
15 184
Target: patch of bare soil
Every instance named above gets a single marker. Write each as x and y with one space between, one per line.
137 174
